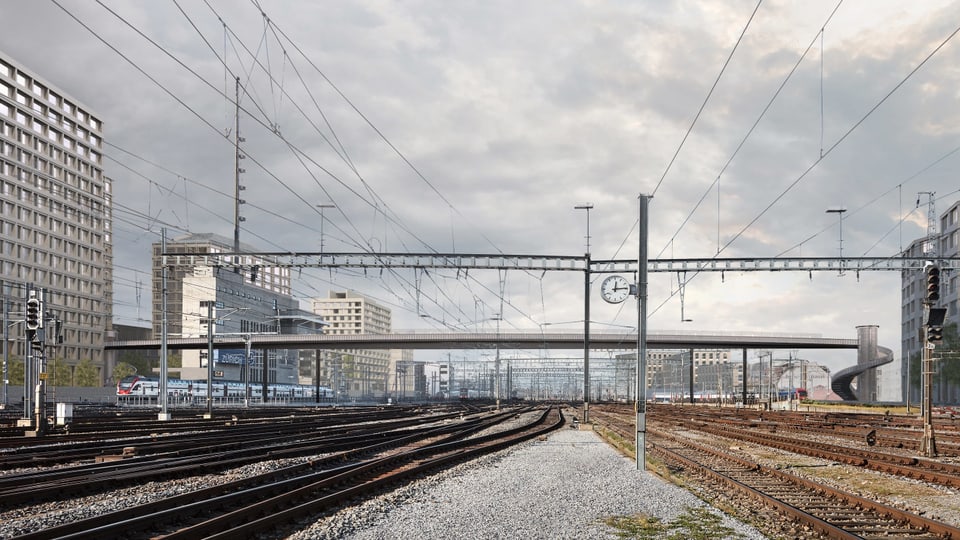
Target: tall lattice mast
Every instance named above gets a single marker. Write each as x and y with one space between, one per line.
930 247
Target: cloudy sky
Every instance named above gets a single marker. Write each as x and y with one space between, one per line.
476 127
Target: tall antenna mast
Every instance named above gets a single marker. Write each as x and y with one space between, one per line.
237 218
930 247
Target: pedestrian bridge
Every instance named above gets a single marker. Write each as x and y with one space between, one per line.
422 340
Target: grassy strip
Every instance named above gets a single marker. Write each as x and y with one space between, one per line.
694 524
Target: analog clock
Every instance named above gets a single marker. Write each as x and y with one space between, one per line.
615 289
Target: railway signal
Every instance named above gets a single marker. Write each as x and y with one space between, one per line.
34 316
935 325
933 283
935 334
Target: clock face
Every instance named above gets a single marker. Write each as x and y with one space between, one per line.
615 289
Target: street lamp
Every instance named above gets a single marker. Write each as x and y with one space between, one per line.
321 207
587 207
586 318
839 212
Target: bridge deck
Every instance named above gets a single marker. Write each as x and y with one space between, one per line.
486 340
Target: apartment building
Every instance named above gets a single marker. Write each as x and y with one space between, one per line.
913 290
361 373
248 302
56 216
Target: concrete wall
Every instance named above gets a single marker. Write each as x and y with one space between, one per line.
68 394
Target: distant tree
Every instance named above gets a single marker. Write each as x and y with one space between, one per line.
348 367
137 360
86 374
60 372
122 370
15 370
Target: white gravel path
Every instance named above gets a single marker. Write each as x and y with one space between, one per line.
559 488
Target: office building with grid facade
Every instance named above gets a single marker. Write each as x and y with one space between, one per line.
354 372
913 285
55 218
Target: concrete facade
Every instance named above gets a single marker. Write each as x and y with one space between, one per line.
913 291
358 373
55 215
244 303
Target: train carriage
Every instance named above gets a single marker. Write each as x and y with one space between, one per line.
139 386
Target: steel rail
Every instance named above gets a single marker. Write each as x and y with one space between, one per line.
922 524
124 523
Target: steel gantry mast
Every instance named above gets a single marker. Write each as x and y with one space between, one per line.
641 266
455 261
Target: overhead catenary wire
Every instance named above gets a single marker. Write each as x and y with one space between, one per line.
829 150
296 151
746 137
164 88
705 100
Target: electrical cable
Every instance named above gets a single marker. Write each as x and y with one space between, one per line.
706 99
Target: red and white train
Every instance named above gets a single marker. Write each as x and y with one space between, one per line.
138 385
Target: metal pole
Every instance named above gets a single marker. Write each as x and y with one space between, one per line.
770 390
27 369
745 378
640 406
164 371
321 207
246 371
40 401
928 446
210 358
586 317
692 399
6 350
236 172
906 384
496 363
586 337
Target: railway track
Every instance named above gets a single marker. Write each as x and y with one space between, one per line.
220 450
822 510
190 436
881 430
272 501
828 512
126 424
898 464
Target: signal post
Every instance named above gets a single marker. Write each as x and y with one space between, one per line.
932 334
35 334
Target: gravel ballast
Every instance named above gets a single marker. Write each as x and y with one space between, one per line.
563 487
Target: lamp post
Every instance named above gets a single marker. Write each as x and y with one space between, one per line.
586 318
496 365
245 373
321 207
587 207
839 212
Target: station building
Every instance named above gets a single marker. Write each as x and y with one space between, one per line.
243 303
55 218
357 373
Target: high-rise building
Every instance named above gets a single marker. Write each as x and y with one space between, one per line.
913 291
55 219
244 302
355 372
